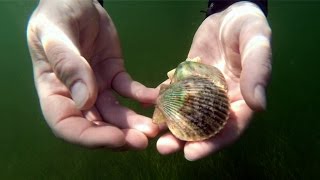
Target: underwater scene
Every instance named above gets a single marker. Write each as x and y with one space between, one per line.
282 142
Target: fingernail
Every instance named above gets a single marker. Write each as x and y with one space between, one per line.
143 128
259 94
149 129
191 153
80 94
167 145
189 158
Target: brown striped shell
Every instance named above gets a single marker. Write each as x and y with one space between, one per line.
195 105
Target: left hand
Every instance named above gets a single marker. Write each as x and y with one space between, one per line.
78 69
236 41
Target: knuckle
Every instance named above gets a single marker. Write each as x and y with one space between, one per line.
138 93
267 66
64 67
268 31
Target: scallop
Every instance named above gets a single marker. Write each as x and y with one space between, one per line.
195 106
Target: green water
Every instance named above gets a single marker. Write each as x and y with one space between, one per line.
281 143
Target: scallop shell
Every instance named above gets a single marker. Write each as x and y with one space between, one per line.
195 105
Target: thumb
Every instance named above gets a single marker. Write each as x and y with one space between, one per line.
70 67
256 69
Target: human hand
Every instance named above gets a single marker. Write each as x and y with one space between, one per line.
78 67
236 41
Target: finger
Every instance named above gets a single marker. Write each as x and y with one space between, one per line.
67 123
122 117
245 34
168 144
256 65
93 115
239 119
65 120
135 140
166 82
125 86
69 66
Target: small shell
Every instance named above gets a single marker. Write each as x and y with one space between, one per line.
195 105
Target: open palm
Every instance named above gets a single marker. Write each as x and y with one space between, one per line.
78 67
237 41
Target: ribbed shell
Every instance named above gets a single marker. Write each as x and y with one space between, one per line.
194 106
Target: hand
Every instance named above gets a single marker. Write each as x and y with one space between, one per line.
78 67
237 41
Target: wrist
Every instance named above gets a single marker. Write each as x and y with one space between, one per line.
65 7
215 6
101 2
68 2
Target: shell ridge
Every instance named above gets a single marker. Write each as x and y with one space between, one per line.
207 115
158 116
195 104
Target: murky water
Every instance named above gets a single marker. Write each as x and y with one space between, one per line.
281 143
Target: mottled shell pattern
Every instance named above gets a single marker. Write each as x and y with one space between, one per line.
195 105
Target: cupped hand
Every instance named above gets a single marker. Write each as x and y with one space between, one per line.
78 69
237 41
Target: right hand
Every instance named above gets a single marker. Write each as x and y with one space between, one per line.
236 41
78 66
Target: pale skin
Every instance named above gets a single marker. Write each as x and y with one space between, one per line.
78 66
74 41
236 41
